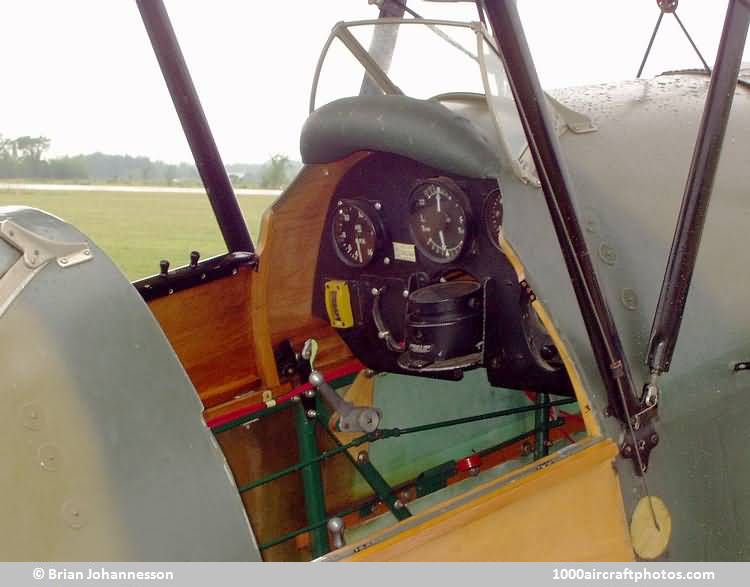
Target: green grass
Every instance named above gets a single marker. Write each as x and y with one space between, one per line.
137 230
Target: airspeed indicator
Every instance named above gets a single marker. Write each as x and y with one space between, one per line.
355 234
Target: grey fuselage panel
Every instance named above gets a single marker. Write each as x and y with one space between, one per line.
105 454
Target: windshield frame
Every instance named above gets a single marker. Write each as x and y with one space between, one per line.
384 83
371 68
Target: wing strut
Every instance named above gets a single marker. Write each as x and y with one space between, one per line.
670 7
687 237
605 341
194 124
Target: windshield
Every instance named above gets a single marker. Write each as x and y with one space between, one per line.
419 58
424 59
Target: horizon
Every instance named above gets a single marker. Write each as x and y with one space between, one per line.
109 95
189 161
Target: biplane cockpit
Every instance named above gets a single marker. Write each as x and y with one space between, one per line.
442 341
411 268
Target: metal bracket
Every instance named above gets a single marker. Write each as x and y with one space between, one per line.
643 437
351 418
36 252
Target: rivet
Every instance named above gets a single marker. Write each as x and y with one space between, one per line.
73 515
378 205
629 298
362 457
590 221
49 457
387 260
63 261
234 271
32 417
607 254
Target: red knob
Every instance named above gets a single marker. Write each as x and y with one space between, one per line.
470 464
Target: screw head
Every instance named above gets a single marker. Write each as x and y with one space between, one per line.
311 413
363 457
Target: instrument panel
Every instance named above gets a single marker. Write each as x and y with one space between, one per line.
440 220
396 230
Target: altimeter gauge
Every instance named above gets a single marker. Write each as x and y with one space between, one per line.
356 233
439 219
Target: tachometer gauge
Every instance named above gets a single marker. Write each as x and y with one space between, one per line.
439 219
356 236
492 216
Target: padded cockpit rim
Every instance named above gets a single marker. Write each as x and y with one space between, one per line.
422 130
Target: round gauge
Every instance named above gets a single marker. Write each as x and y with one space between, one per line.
492 216
438 219
355 234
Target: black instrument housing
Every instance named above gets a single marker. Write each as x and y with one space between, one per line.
516 351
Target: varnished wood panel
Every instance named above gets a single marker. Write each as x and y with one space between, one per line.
259 449
288 249
580 493
210 329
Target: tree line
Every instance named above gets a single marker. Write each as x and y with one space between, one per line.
24 158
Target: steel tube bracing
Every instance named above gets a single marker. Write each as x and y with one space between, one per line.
372 502
395 432
687 237
312 480
555 182
194 124
365 468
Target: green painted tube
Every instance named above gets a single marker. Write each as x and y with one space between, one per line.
351 509
393 433
312 481
369 473
541 425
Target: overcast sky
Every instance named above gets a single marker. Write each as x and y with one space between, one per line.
83 73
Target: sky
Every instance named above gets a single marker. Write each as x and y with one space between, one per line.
82 72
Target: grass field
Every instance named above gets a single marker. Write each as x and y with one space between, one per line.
137 230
